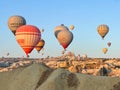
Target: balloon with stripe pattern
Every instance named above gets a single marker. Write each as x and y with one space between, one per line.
27 37
102 30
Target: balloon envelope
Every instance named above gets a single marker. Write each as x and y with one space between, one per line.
109 44
59 28
65 37
15 21
72 27
8 54
104 50
102 30
42 30
27 37
40 45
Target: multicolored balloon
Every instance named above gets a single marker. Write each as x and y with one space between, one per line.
15 21
40 45
27 37
102 30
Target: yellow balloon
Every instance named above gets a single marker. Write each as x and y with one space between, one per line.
15 21
40 45
102 30
104 50
72 27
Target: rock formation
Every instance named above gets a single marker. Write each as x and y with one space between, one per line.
41 77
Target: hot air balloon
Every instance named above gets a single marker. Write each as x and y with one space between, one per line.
8 54
59 28
40 45
72 27
27 37
15 21
109 44
42 30
104 50
65 37
102 30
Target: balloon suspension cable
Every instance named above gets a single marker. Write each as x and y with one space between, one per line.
65 49
27 55
14 32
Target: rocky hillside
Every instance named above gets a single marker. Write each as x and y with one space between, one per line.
89 66
41 77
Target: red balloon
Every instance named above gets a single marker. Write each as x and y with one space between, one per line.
27 37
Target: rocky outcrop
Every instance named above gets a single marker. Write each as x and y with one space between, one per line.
41 77
91 66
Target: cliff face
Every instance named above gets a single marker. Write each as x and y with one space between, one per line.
40 77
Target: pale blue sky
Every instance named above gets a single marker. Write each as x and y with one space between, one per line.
85 15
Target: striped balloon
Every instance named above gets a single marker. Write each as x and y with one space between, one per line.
103 30
27 37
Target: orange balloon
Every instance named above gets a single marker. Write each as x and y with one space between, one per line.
27 37
40 45
102 30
